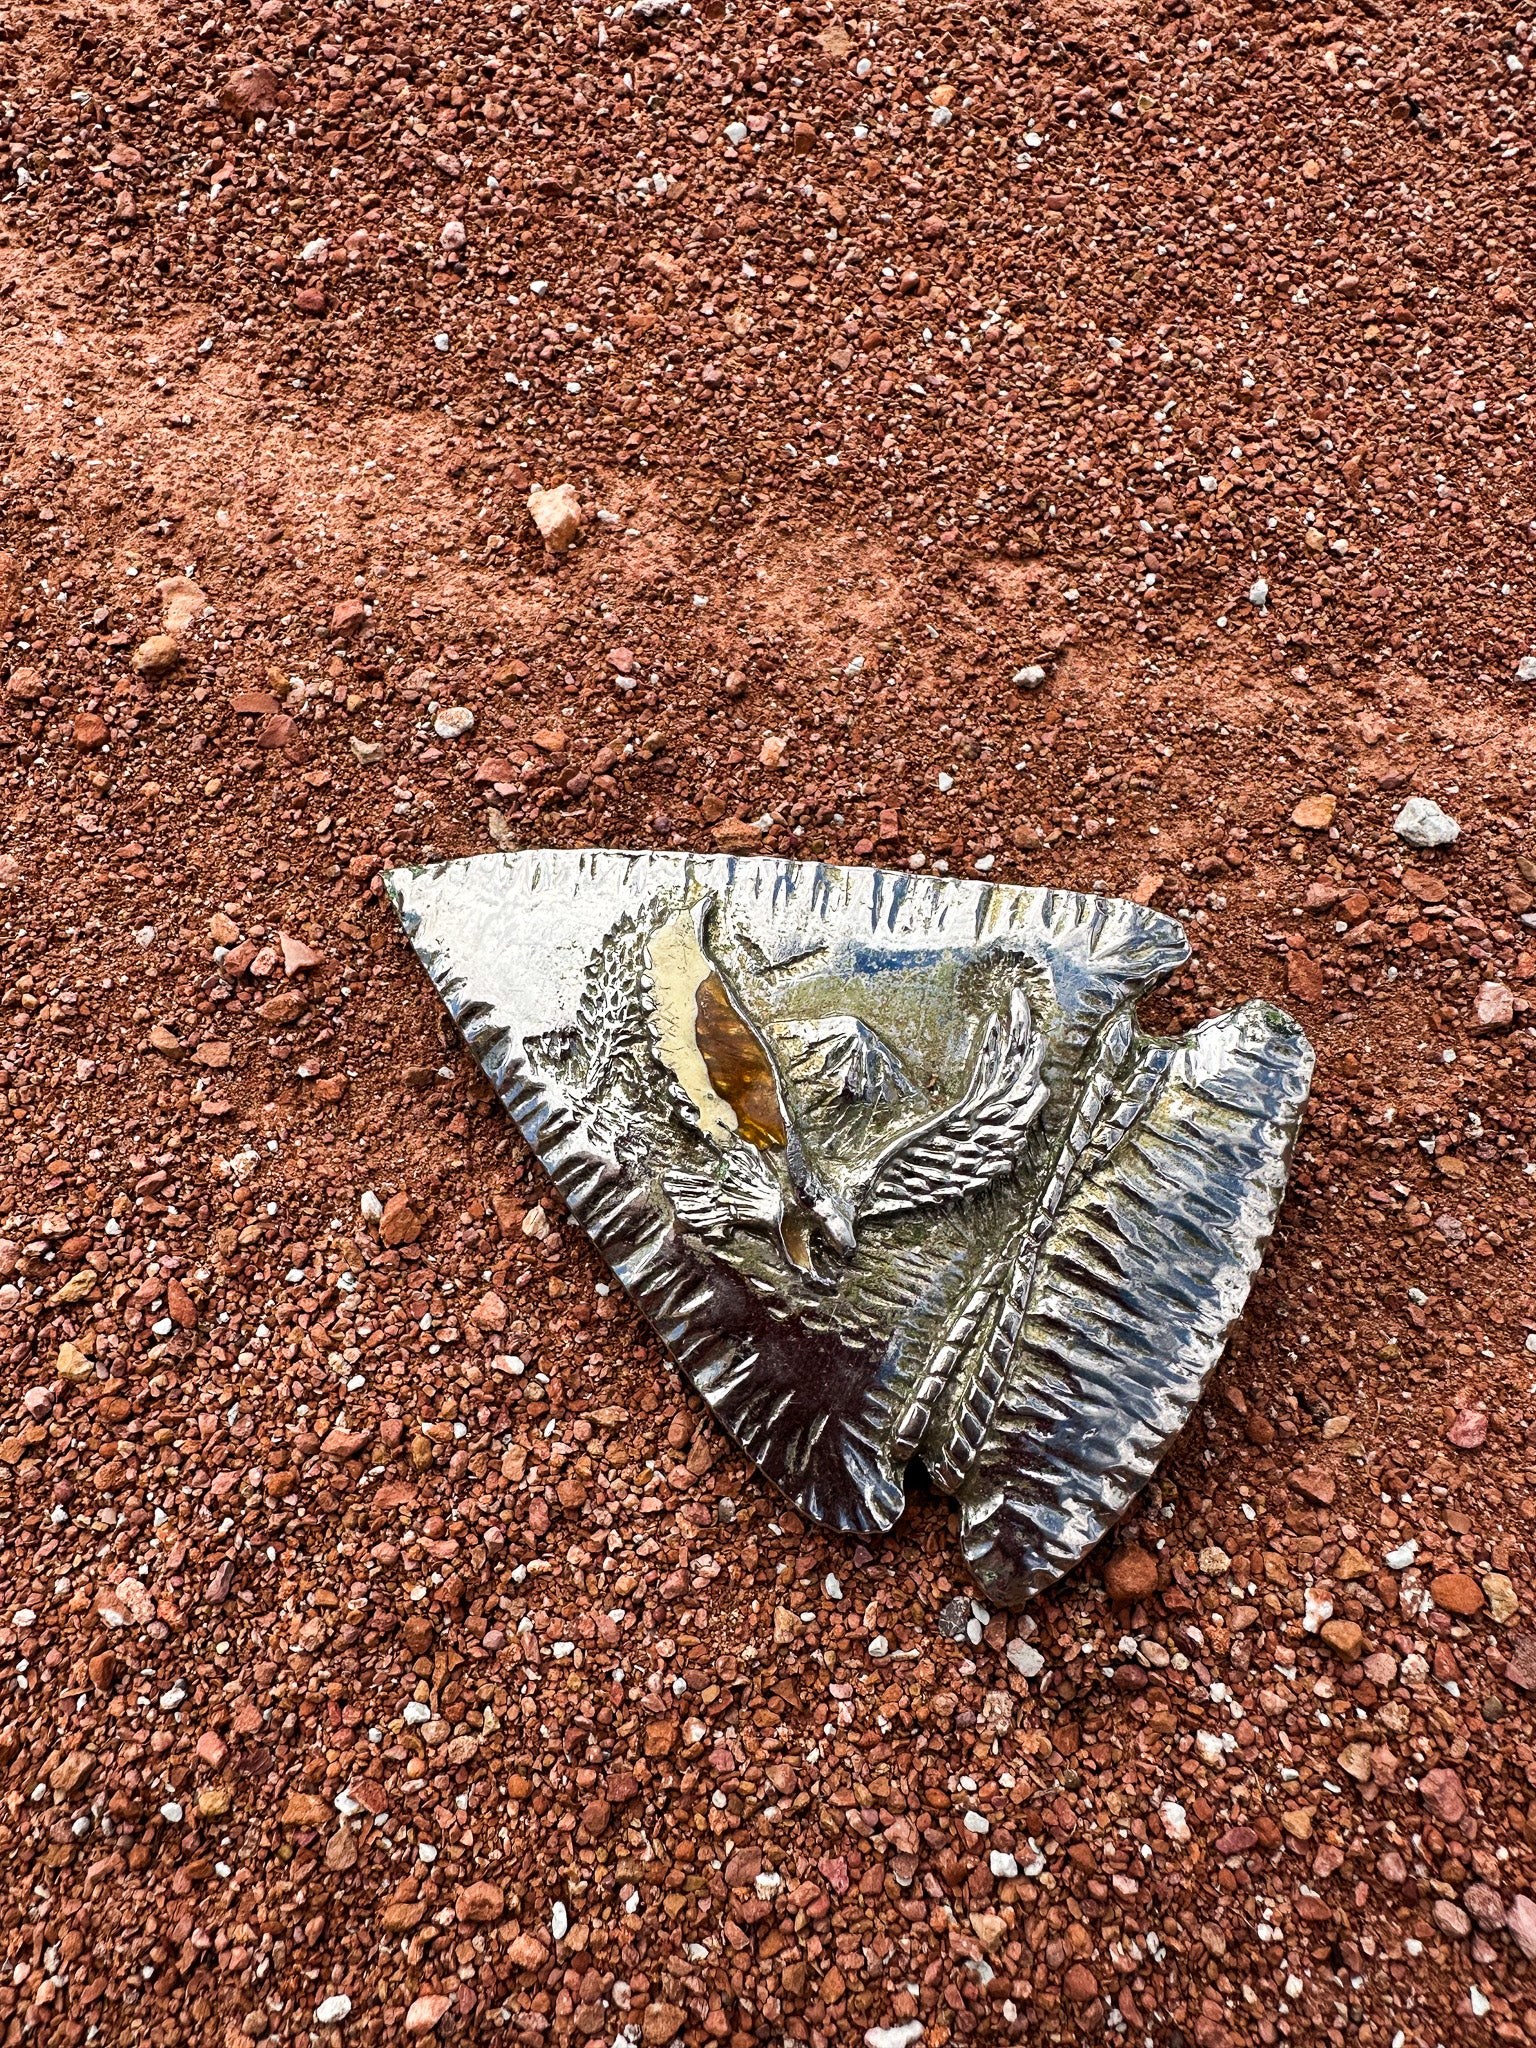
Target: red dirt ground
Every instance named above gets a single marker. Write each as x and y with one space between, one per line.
347 1666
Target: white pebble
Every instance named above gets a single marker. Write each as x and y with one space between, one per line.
559 1921
453 722
331 2011
1421 822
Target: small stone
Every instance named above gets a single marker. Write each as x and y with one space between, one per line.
250 94
1024 1658
1520 1925
1381 1668
905 2034
166 1043
1485 1906
1315 813
286 1007
1236 1841
72 1363
349 617
489 1313
1425 888
1303 976
733 835
1345 1638
660 2024
159 655
1353 1564
771 753
1030 677
402 1222
953 1618
89 730
1469 1431
1503 1601
1456 1593
1525 668
1441 1792
1175 1820
1422 823
1130 1575
480 1904
527 1952
182 603
311 302
1298 1822
453 722
304 1810
298 958
1494 1009
426 2011
1080 1984
1450 1919
557 515
1356 1760
342 1444
330 2012
1315 1485
1213 1561
452 235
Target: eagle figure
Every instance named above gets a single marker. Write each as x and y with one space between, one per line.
764 1176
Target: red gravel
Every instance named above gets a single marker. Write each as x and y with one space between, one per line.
301 1580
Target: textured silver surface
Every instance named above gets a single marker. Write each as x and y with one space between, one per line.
886 1161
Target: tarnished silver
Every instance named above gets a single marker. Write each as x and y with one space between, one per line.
886 1161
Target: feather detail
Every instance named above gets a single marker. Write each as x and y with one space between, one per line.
741 1193
975 1140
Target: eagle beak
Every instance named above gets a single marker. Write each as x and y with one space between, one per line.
837 1226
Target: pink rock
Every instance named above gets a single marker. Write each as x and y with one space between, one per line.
1494 1009
426 2011
1469 1430
1520 1924
490 1312
1441 1792
297 957
211 1748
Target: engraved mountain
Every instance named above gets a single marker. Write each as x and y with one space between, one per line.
887 1162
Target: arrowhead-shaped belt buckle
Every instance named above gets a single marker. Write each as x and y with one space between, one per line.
886 1161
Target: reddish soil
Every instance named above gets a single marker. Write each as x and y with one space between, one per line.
348 1666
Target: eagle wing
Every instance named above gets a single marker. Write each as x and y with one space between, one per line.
977 1139
738 1191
